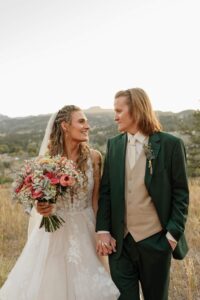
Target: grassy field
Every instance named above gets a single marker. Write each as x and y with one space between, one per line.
185 275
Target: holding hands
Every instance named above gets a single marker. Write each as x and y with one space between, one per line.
106 244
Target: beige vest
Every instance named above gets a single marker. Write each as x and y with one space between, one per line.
141 218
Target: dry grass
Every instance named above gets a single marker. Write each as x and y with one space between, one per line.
185 275
13 232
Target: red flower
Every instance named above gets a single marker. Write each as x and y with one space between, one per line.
28 180
54 180
18 189
37 194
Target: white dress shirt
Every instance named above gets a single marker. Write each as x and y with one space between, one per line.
135 146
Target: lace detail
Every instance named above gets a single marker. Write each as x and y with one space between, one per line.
91 283
81 199
74 251
74 255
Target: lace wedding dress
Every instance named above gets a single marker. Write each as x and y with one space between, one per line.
62 265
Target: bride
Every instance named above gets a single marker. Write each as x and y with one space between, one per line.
63 264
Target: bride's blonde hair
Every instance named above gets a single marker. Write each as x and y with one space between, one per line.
56 141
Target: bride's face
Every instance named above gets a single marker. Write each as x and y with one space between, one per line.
78 130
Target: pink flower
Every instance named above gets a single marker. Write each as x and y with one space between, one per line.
28 169
37 194
66 180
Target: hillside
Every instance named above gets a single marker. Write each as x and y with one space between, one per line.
24 134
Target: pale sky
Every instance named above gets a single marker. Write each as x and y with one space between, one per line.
58 52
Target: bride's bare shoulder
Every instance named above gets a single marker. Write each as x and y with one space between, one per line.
96 156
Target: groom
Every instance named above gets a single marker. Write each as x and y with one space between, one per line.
143 202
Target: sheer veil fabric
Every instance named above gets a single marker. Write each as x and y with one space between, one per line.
35 217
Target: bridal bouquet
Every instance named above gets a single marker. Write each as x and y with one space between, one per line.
44 179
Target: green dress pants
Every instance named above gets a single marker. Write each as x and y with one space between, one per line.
147 262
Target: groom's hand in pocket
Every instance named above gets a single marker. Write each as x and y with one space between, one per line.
172 244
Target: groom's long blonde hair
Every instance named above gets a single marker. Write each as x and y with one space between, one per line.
140 109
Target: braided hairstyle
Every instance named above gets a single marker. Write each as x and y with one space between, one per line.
56 141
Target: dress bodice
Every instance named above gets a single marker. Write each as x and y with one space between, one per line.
83 196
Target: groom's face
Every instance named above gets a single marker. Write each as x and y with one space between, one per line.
123 118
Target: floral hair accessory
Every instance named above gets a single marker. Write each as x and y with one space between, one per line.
149 155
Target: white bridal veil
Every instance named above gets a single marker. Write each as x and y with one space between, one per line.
35 217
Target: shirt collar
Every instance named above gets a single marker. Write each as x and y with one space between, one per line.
138 136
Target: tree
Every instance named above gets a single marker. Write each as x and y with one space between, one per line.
4 148
32 149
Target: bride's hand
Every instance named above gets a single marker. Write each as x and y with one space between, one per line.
44 209
106 244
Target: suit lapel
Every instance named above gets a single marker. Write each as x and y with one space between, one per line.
154 141
120 159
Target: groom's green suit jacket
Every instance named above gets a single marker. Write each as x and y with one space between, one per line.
167 186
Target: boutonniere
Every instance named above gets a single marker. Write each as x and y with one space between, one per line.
149 155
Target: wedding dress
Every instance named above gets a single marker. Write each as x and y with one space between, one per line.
62 265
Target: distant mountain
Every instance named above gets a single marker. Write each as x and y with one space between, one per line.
25 133
185 113
98 117
2 117
98 109
23 124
